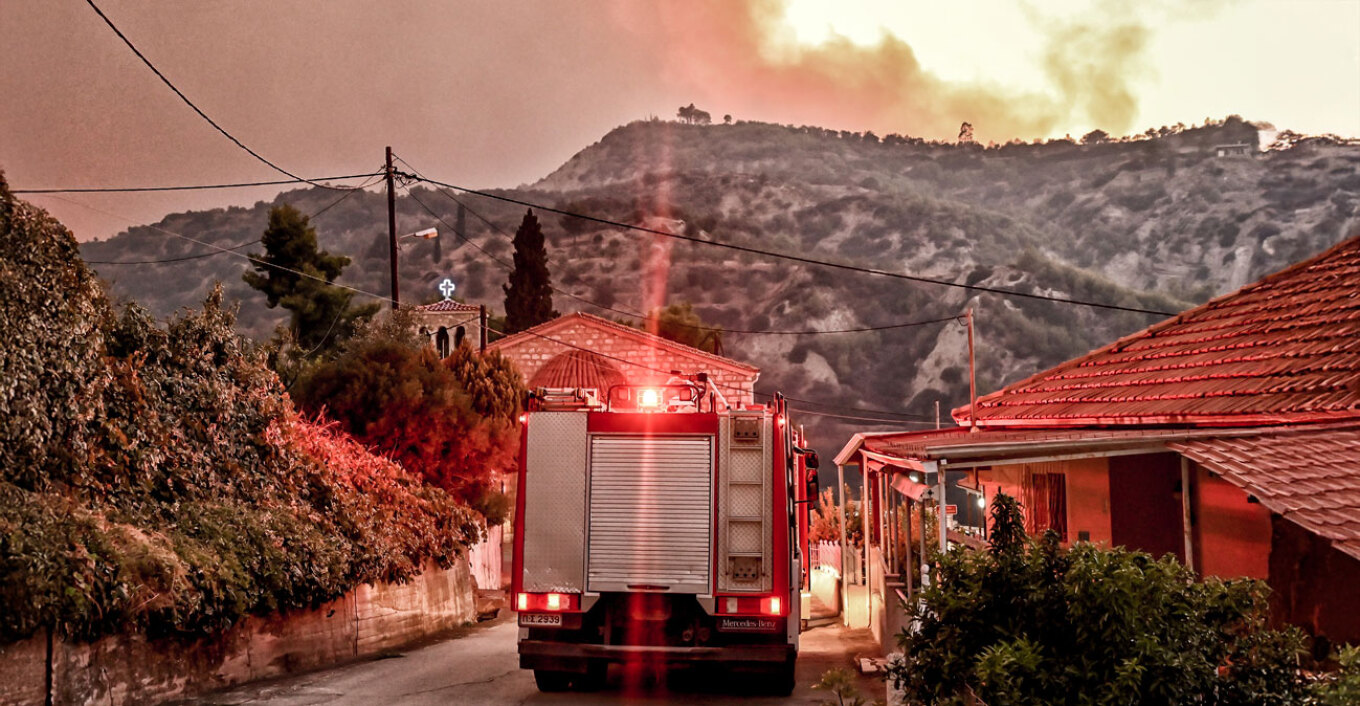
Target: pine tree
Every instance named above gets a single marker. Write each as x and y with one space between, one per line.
294 274
528 296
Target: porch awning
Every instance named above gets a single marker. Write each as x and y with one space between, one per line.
912 490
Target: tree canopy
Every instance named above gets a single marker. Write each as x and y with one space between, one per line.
680 323
450 421
528 295
295 274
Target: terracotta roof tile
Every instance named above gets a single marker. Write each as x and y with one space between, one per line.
449 305
1285 349
546 329
578 369
1310 475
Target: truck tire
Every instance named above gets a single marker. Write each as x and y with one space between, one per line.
780 680
550 681
595 677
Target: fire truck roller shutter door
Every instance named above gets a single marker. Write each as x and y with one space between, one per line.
554 503
651 505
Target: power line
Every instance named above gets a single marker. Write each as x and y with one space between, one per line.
797 258
381 297
348 193
190 187
713 382
356 290
190 103
697 327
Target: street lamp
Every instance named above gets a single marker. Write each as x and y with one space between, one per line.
427 234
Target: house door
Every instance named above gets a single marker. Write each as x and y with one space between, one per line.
1145 504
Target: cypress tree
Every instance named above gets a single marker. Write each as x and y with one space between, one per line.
528 296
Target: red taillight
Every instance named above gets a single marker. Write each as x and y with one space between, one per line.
751 605
538 602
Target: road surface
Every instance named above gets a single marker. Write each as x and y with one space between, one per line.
479 665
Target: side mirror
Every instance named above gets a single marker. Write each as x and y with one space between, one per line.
810 461
814 489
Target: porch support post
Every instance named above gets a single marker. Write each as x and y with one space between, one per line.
1186 515
840 493
907 567
867 518
934 467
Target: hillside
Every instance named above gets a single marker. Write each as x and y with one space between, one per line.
1156 223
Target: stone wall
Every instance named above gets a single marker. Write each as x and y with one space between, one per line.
129 669
643 360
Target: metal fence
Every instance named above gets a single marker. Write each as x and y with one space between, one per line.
828 555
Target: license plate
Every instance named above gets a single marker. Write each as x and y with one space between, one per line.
540 619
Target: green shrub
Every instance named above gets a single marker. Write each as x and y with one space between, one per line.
1031 622
157 478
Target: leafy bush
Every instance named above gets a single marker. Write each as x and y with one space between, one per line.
1029 622
451 421
158 479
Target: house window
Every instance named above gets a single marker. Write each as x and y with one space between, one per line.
1046 504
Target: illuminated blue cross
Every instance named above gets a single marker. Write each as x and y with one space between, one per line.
446 287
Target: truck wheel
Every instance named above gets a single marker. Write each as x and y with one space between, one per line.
781 679
594 678
548 680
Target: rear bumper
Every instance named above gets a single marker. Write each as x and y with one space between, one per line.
574 657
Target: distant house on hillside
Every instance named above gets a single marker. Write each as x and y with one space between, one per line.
581 350
1239 149
1228 436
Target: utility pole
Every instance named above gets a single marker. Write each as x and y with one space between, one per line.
392 228
972 377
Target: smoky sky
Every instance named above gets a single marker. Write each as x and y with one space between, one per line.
485 94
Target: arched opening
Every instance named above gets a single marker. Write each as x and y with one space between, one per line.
441 342
458 335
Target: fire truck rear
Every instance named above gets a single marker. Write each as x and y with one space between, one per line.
657 527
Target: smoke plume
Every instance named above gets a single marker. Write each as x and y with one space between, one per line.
745 54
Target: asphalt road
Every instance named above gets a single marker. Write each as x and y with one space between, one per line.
478 665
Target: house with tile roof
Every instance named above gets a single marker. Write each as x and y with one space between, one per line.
1227 436
581 350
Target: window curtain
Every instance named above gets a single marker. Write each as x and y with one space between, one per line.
1046 504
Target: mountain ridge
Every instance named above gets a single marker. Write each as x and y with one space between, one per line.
1158 223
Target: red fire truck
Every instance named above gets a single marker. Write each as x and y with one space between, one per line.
657 527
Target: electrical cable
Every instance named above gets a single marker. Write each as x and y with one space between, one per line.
696 327
735 388
797 258
348 193
192 187
190 103
281 268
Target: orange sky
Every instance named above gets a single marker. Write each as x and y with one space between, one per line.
499 93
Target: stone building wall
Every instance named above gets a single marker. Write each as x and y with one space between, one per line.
634 358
